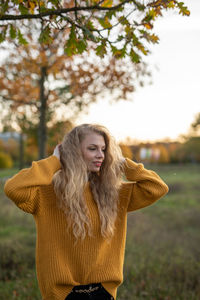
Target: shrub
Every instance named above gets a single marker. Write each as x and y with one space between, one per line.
5 161
16 259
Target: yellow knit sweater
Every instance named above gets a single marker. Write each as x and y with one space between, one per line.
61 261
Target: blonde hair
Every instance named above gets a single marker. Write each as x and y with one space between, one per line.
70 181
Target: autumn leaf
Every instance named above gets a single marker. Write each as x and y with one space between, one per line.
148 25
101 50
171 4
105 22
183 9
107 3
32 6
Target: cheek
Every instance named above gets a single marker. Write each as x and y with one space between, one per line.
86 156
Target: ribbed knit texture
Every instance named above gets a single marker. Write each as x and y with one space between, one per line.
62 261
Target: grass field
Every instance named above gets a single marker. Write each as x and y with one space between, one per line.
162 259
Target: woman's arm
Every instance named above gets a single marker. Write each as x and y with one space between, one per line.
23 188
147 186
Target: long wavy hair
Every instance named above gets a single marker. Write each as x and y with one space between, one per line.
70 181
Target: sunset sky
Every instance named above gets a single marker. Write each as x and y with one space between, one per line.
166 108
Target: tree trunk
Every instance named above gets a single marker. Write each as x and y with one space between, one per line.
42 113
21 151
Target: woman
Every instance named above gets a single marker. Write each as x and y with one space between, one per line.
80 203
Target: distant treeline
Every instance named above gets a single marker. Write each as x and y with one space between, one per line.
165 152
159 152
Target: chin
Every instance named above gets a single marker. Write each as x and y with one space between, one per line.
95 170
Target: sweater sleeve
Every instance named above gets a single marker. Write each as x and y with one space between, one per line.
147 186
23 188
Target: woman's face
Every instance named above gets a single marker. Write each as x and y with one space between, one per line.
93 150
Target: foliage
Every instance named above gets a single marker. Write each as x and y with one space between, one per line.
5 161
122 27
12 147
72 82
190 150
36 80
195 126
12 263
56 133
164 155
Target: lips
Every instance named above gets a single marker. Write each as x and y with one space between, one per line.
98 163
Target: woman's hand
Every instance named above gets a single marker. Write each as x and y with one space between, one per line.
56 151
123 160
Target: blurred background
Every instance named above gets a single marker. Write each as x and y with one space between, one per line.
153 111
154 106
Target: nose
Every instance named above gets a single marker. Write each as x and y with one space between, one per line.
100 154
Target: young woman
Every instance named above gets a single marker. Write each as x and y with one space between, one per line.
80 201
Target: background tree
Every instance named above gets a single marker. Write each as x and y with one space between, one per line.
195 126
36 79
190 148
120 28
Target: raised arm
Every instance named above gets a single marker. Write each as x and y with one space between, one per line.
23 188
147 186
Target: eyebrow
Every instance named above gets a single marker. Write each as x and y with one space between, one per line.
96 145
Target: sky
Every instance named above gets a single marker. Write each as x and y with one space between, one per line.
166 108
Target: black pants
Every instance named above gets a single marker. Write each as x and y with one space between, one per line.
93 291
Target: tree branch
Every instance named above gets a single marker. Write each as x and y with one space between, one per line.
59 12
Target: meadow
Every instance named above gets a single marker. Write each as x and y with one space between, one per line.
162 260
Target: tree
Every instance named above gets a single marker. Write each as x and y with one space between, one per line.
195 126
120 27
37 79
190 149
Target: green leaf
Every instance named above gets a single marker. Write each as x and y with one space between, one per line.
123 21
90 25
171 4
2 38
120 38
21 39
12 32
55 2
134 56
23 9
71 44
101 50
3 33
45 36
4 7
81 46
88 34
110 14
118 53
104 22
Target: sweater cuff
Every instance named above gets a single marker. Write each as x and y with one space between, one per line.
55 162
132 169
